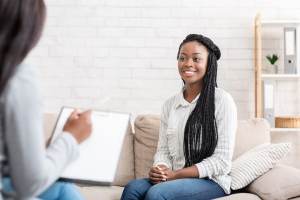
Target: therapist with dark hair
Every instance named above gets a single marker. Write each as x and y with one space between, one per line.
32 169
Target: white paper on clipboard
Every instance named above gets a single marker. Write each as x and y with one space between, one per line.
99 154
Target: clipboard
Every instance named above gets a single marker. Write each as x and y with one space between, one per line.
99 154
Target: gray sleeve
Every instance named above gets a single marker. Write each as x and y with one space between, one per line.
32 167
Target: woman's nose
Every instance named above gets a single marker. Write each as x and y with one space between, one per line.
189 62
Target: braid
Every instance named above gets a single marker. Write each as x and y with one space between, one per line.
201 134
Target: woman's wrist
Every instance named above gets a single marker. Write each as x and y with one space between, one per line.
189 172
177 174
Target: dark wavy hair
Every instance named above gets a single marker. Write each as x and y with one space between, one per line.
201 133
21 24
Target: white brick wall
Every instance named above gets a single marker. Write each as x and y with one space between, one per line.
120 55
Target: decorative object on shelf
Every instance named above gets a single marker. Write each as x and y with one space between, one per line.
273 69
290 50
287 121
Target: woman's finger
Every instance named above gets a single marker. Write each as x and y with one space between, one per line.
74 114
155 175
156 170
153 179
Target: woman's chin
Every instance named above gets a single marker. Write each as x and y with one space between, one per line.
191 82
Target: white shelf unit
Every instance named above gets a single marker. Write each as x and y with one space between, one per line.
259 75
285 130
280 22
281 76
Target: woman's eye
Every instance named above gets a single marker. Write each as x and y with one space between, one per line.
181 58
197 59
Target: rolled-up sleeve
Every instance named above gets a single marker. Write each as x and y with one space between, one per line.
220 162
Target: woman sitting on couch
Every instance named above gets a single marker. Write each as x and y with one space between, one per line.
197 133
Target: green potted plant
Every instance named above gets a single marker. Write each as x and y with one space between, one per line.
272 60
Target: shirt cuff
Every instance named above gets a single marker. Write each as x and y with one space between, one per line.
72 143
201 170
161 163
70 137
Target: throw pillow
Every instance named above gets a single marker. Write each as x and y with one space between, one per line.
281 182
256 162
145 143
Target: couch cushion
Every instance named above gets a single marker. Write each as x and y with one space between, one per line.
125 168
101 192
281 182
115 192
251 133
145 143
239 196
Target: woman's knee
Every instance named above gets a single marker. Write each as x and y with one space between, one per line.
133 185
62 186
60 189
136 189
155 193
138 185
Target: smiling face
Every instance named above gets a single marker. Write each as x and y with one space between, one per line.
192 63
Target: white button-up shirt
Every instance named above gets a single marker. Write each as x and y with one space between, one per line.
175 113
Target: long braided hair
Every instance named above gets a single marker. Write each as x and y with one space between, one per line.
201 133
21 24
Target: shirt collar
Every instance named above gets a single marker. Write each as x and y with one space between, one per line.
182 102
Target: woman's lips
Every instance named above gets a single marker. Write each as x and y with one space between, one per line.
189 72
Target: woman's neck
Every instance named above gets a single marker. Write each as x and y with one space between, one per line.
191 91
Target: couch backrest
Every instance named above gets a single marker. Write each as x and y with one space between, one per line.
125 168
145 142
139 148
49 123
249 134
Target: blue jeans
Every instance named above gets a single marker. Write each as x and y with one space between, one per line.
187 189
58 191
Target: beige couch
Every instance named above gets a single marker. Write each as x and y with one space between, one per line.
139 147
